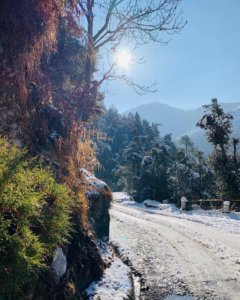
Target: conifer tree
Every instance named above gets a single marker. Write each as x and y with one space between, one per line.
218 127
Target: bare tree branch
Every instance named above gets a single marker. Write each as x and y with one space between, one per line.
134 21
142 22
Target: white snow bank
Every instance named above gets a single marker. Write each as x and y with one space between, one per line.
215 218
175 297
125 199
115 282
92 180
151 203
121 197
94 185
114 285
155 204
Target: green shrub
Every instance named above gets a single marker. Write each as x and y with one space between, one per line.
34 218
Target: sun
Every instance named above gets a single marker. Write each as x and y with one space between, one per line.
124 59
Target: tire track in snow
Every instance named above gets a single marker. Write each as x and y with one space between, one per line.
206 274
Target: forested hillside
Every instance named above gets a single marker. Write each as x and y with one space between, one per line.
181 122
136 157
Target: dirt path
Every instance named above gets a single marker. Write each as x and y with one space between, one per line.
178 256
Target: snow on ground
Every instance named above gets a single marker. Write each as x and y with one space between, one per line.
215 218
174 297
179 253
115 283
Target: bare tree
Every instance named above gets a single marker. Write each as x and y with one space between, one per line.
115 21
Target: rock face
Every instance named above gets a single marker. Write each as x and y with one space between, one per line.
99 200
80 263
34 114
84 261
83 265
59 263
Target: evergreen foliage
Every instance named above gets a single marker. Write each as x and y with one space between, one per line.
115 128
217 125
34 218
224 159
137 159
190 175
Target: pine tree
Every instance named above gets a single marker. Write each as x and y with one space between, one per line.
190 175
218 127
135 158
116 135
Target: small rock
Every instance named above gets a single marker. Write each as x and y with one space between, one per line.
59 263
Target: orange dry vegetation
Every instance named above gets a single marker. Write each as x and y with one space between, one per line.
28 35
28 28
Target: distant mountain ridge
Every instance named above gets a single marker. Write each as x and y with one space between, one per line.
179 122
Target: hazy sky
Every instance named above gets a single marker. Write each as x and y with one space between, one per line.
200 63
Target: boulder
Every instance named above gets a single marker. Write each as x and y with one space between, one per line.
99 200
59 263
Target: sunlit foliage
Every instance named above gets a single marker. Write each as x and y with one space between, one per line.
34 218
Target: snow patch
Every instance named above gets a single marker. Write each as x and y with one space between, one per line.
59 263
174 297
94 185
215 217
151 203
115 282
114 285
121 197
92 180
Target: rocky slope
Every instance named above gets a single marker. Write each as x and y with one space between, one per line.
36 82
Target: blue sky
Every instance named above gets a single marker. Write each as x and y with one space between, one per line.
200 63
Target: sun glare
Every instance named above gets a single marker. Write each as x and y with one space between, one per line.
124 59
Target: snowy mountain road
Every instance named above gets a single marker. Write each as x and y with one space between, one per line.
178 255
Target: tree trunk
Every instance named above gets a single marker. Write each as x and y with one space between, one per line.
86 101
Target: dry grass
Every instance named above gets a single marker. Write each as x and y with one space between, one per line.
28 31
74 153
